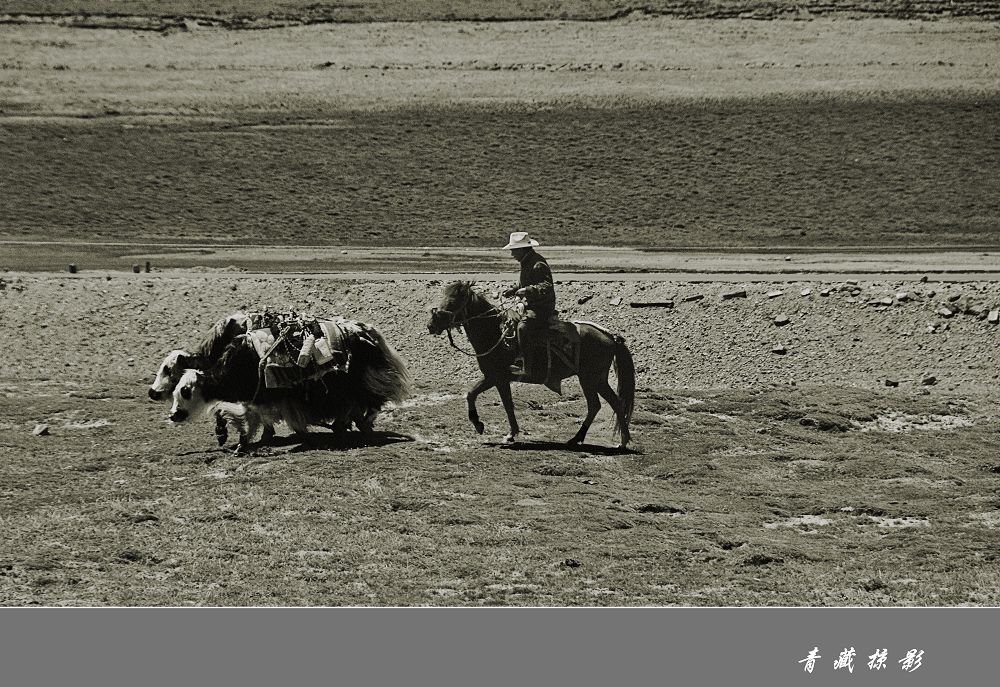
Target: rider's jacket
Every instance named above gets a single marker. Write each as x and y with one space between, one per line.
536 280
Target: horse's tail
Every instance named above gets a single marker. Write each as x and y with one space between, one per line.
625 371
389 380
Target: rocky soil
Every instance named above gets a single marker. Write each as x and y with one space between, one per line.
96 329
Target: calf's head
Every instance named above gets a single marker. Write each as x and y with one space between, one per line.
169 374
189 400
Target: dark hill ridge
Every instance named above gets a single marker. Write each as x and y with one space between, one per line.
155 15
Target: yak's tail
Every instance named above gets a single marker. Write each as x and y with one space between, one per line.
390 379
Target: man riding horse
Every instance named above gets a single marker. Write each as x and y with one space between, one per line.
537 289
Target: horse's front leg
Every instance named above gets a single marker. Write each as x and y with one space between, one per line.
484 384
503 388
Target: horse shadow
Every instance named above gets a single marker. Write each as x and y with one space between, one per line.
592 449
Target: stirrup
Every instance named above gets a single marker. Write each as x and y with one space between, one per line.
520 375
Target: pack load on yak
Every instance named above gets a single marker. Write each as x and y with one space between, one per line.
295 348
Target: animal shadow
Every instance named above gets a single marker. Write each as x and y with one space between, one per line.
328 441
592 449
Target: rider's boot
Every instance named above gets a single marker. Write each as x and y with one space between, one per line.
523 370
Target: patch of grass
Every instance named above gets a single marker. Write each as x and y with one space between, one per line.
847 518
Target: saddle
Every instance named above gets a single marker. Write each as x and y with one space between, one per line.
557 352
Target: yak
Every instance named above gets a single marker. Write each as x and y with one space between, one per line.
233 390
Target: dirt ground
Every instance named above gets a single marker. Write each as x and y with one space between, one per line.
755 478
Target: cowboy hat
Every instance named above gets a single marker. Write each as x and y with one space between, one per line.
520 239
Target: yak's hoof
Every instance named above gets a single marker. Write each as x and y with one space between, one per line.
480 427
509 438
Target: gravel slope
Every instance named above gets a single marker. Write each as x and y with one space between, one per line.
97 331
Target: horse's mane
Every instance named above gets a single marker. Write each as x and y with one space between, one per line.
458 288
463 290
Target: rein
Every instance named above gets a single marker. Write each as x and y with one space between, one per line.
474 354
493 310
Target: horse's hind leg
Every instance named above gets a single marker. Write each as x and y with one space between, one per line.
503 388
612 398
593 406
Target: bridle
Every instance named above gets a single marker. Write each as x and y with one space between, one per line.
456 322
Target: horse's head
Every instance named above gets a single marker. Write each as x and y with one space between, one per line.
169 373
188 398
454 307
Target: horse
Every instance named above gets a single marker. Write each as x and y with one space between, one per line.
233 390
486 328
